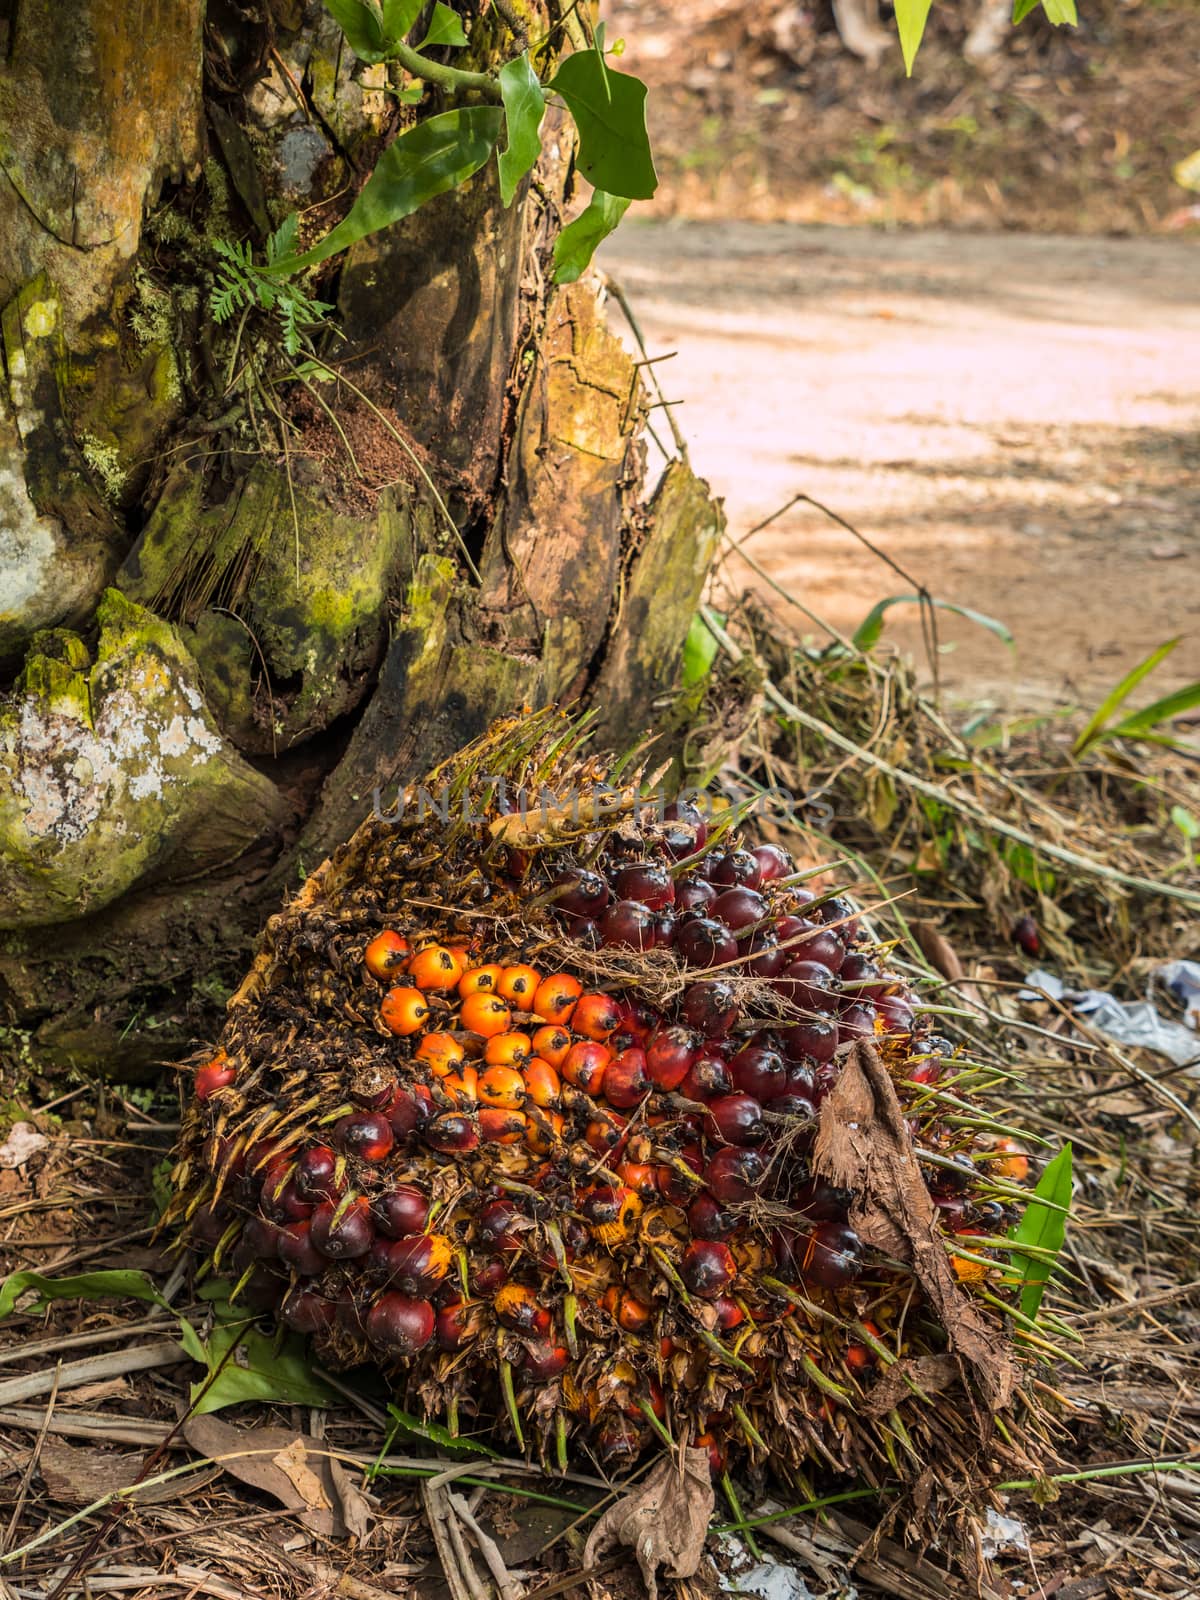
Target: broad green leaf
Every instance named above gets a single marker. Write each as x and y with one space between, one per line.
609 108
1022 8
434 1433
699 650
524 108
436 155
867 634
576 244
399 16
911 16
283 241
445 27
1139 723
87 1286
1043 1228
1185 822
1061 12
260 1368
1120 694
362 25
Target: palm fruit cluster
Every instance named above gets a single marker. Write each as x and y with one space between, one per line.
518 1104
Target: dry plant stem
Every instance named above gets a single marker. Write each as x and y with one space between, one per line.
933 791
92 1425
488 1549
31 1468
437 1514
91 1369
78 1341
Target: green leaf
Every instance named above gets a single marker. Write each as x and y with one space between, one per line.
1185 822
261 1367
1022 8
576 244
524 108
609 108
1140 723
362 25
699 650
434 1433
436 155
1061 11
1043 1228
399 16
87 1286
867 634
445 27
911 16
1120 694
283 241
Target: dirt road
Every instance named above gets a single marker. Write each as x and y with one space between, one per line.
1015 420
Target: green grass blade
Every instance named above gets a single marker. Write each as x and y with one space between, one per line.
1043 1229
1139 723
1117 697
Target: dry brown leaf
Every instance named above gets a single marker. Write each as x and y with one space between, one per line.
864 1145
664 1519
289 1466
942 956
354 1505
23 1141
80 1475
931 1374
94 1393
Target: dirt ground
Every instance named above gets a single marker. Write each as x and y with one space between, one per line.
1012 419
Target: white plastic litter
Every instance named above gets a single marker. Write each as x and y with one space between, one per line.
1003 1536
768 1580
1134 1022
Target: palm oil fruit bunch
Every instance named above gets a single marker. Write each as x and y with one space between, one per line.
518 1103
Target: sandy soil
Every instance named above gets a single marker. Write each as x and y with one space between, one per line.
1014 420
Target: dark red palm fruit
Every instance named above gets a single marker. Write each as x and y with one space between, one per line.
603 1134
824 947
802 1079
708 1220
711 1007
500 1224
800 1111
839 913
419 1263
707 1268
365 1134
261 1238
825 1080
735 868
809 986
585 1065
596 1016
639 1176
685 829
738 908
736 1119
400 1211
733 1175
451 1133
707 1078
773 862
856 1022
716 1454
209 1224
1024 935
456 1324
543 1359
262 1291
760 1071
646 882
862 976
516 1306
954 1179
316 1175
705 942
400 1325
822 1201
832 1256
669 1054
897 1014
409 1109
673 1185
348 1314
693 894
306 1311
952 1209
343 1231
627 924
216 1074
626 1079
619 1438
297 1250
928 1070
282 1202
580 893
638 1020
814 1039
488 1274
587 933
666 926
769 959
792 925
729 1314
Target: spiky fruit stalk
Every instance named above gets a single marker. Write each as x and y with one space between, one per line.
524 1110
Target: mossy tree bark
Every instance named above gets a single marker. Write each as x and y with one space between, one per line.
239 593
